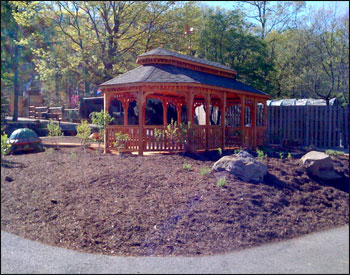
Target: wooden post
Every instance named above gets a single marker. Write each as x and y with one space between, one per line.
125 107
242 119
189 102
165 112
223 121
140 104
254 121
178 110
207 122
105 109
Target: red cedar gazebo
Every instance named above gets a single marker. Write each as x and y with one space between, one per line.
185 83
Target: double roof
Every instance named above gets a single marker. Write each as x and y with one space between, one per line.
169 73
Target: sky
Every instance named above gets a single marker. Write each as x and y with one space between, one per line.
343 6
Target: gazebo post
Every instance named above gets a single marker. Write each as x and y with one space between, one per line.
126 108
189 99
165 112
178 110
254 121
140 103
207 123
223 121
105 109
242 118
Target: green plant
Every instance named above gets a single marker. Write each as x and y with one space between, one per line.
102 119
5 146
83 133
54 130
204 171
260 153
236 151
334 152
221 182
174 133
120 140
186 167
219 151
289 155
281 154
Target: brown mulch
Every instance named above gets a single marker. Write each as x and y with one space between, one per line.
150 205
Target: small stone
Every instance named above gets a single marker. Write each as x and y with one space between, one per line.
7 178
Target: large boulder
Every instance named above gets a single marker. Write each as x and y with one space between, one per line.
243 165
320 165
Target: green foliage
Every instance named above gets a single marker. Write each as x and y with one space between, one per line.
219 151
83 133
236 151
221 182
281 154
334 152
120 140
102 119
289 156
186 166
54 129
5 146
260 153
174 133
204 171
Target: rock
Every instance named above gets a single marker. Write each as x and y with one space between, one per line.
243 165
9 179
320 165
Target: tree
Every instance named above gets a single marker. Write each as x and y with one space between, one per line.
272 15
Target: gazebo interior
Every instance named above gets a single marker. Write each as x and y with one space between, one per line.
168 86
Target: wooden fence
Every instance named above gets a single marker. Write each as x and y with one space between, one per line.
322 126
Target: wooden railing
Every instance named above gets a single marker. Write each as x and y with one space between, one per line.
133 131
233 136
197 138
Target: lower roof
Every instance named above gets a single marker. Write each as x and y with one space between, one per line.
166 73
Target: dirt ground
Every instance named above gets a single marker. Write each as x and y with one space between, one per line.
151 205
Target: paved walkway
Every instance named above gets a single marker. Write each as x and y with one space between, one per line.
324 252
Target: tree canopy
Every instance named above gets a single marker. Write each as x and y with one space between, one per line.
73 46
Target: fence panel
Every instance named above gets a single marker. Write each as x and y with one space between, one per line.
322 126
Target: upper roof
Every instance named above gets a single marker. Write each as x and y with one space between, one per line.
173 74
164 52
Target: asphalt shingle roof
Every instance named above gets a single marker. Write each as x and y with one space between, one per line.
169 73
161 51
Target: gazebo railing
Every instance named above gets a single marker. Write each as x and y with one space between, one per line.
151 143
133 131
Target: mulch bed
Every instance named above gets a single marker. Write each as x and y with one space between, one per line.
150 205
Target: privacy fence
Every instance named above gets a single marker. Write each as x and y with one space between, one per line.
322 126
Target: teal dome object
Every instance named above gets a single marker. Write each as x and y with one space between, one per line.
23 135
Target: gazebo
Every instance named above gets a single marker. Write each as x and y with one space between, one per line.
186 89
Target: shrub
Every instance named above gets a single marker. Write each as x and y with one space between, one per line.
204 171
54 130
120 141
83 133
221 182
186 167
5 146
289 155
281 154
219 151
102 119
334 152
260 153
174 133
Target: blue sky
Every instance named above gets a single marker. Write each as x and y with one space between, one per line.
343 6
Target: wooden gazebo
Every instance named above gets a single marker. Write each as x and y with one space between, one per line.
235 113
